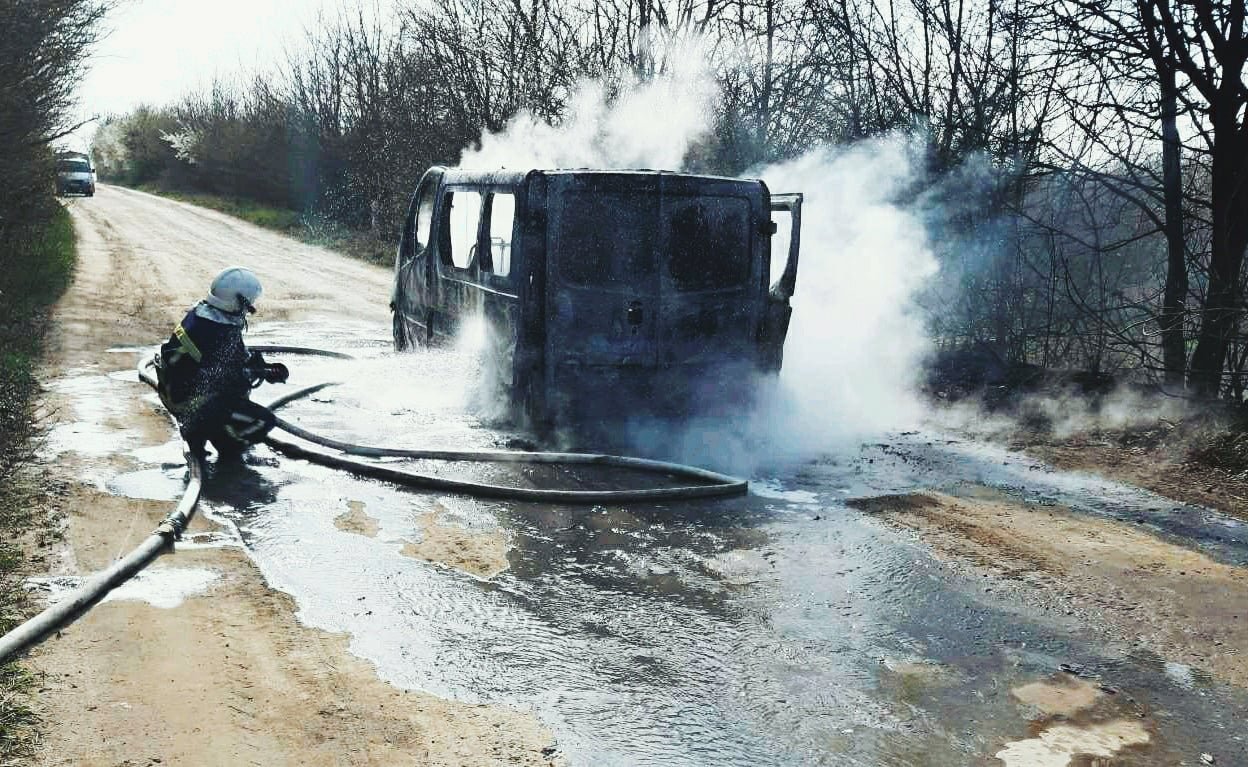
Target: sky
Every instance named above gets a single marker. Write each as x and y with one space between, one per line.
155 51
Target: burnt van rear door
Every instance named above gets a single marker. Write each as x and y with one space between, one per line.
786 212
602 295
712 273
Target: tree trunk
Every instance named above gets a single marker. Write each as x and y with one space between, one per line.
1229 196
1173 348
764 112
1215 68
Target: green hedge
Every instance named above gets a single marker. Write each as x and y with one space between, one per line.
38 264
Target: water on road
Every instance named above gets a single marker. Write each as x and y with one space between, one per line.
780 628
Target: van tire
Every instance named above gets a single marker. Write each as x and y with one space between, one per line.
401 341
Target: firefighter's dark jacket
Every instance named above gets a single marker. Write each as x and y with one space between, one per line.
203 367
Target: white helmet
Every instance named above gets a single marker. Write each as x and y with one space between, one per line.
235 290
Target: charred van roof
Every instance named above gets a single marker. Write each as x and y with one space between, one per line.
517 177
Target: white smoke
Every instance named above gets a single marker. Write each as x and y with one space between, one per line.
856 344
638 124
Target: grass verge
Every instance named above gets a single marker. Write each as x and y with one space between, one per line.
357 245
38 261
277 219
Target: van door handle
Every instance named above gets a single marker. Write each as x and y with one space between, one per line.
635 315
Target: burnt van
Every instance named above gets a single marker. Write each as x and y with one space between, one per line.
602 293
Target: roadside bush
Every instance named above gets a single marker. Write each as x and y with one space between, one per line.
45 254
40 261
43 46
133 150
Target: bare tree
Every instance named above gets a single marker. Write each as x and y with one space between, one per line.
1210 44
42 53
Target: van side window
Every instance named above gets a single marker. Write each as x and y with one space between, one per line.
463 215
502 222
424 217
783 220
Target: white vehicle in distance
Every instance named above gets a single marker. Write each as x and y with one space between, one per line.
74 175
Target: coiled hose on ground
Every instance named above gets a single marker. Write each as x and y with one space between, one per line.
69 609
710 484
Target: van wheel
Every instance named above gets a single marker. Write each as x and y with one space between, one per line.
401 342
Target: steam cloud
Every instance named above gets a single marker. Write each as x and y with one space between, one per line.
648 124
855 345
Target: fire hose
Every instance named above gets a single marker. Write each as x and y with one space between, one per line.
712 484
161 540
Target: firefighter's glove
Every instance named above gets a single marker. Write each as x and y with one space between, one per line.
276 373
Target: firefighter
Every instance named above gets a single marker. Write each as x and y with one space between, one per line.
206 374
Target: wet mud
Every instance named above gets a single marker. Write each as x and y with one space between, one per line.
808 623
859 608
356 520
479 553
1173 600
1059 745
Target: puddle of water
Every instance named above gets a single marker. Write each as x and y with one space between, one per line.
736 632
164 587
1181 674
720 633
90 439
772 489
136 350
920 668
168 453
1058 745
359 339
93 400
740 567
92 396
164 484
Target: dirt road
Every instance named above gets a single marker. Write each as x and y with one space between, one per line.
919 599
228 677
